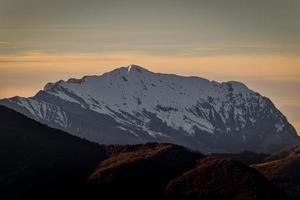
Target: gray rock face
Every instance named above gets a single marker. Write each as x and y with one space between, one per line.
131 105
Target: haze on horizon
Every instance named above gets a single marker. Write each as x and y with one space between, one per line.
256 42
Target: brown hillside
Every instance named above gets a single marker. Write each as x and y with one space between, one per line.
140 172
220 178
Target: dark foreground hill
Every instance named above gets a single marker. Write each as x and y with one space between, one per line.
41 162
38 162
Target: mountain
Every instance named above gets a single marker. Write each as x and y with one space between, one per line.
221 178
38 162
283 169
132 105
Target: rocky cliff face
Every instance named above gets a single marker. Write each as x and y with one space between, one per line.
132 105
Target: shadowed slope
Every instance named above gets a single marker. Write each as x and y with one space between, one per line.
41 162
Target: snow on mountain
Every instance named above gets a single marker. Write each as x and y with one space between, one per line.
134 105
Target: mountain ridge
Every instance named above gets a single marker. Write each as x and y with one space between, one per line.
131 105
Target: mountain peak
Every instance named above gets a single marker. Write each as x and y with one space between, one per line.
126 70
136 68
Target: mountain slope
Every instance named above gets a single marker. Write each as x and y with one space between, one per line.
132 105
38 162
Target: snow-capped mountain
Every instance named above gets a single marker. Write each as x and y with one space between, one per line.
133 105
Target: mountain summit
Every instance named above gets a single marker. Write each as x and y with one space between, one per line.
132 105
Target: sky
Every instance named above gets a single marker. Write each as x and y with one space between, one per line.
253 41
